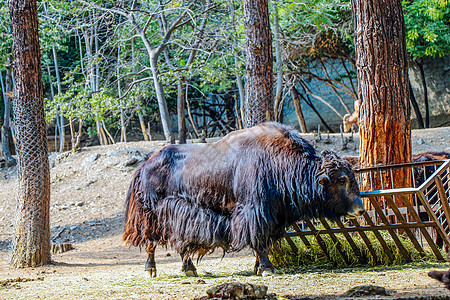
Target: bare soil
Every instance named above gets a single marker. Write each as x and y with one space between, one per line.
87 195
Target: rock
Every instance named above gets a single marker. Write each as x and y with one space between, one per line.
367 290
132 161
420 141
236 290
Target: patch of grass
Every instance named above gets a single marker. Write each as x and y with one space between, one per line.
313 256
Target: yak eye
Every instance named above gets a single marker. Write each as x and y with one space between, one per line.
342 179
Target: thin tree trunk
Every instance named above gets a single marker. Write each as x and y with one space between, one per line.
239 82
62 133
181 112
31 241
191 119
10 161
143 129
415 106
259 64
279 63
425 94
384 114
162 103
298 108
310 104
123 129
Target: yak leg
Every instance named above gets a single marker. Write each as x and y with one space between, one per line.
263 265
150 265
188 266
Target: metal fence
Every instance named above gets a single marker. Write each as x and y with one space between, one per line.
420 213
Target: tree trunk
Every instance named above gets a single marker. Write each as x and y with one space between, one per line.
31 241
6 88
384 114
425 94
298 108
123 129
162 103
143 129
279 63
415 106
62 132
181 107
259 63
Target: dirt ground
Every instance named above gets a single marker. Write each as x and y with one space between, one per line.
87 195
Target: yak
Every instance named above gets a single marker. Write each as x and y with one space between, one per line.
240 191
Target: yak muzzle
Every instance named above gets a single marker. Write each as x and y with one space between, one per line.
357 209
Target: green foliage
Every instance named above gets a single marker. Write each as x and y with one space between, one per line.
427 27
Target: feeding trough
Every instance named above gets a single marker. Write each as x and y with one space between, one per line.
418 214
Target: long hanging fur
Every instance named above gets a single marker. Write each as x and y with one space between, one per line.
188 228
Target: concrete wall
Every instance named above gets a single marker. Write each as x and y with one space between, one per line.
437 76
437 73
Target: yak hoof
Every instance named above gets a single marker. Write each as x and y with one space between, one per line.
267 273
151 272
191 273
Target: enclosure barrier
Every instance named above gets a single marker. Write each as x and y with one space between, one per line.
420 213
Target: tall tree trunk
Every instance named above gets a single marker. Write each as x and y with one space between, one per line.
415 106
162 103
6 88
259 63
279 63
31 241
62 132
239 82
123 129
425 94
181 107
142 123
384 114
298 108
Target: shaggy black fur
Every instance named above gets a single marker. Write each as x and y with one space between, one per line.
240 191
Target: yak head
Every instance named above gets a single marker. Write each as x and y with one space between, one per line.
340 188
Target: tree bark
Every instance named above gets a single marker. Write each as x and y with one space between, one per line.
31 241
259 64
384 114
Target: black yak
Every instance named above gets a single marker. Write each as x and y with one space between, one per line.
242 190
